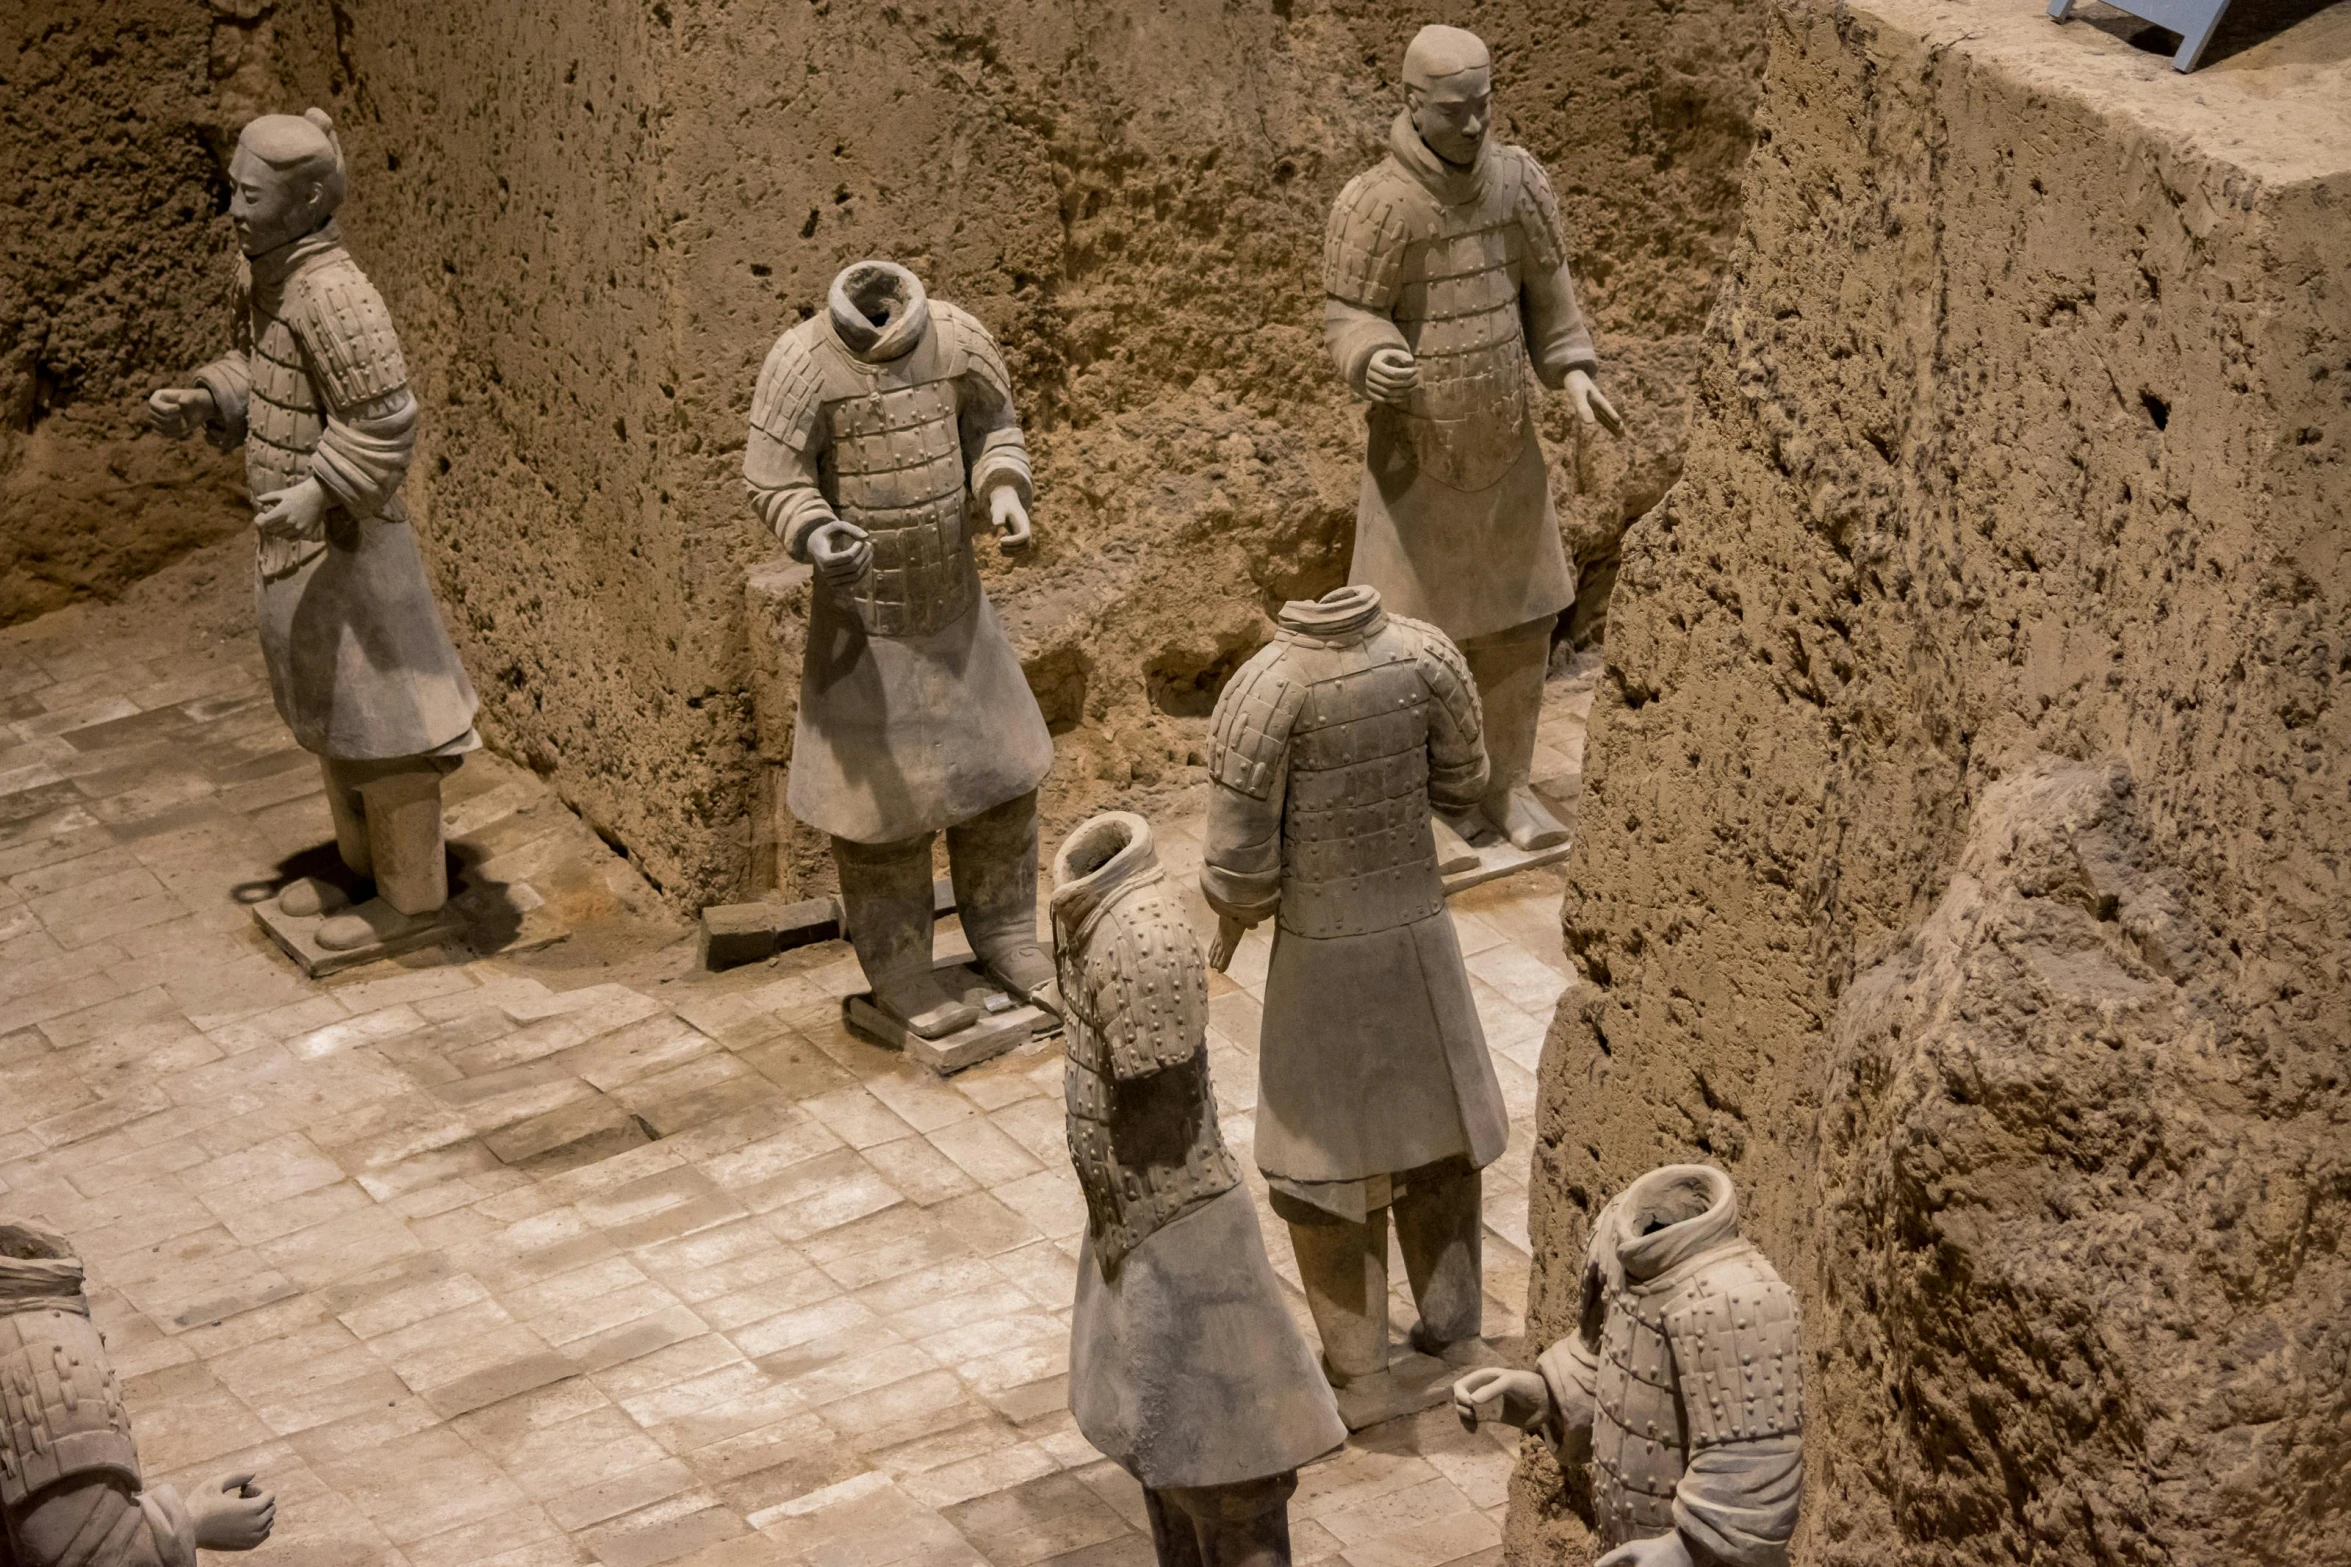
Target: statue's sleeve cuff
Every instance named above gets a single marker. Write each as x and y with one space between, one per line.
1003 459
171 1524
229 379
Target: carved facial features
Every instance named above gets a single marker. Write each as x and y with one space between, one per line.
269 207
1452 113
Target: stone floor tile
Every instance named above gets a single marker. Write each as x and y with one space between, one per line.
984 1152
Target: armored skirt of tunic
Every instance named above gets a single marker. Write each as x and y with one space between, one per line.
1185 1368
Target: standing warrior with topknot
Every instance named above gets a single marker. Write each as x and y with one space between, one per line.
317 393
1445 274
873 427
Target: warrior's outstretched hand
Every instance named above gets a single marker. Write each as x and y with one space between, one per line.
175 411
841 552
1665 1550
1519 1398
1590 405
234 1514
1391 374
1010 518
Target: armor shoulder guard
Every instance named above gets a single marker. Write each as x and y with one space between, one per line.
1445 670
1737 1341
790 390
349 333
1363 249
61 1410
1254 715
1537 211
1153 998
971 348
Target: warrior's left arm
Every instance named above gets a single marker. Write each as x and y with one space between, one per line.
994 452
97 1519
1557 338
370 433
1739 1370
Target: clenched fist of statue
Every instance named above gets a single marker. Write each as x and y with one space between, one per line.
842 552
1591 407
175 411
1010 517
1391 374
1664 1550
1518 1398
234 1515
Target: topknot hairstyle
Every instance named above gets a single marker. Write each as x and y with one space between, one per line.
1437 52
302 146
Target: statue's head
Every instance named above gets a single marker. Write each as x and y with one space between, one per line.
285 180
1449 90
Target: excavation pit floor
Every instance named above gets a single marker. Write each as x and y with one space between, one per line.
546 1248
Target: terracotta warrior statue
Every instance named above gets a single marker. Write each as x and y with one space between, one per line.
1445 276
71 1494
1184 1366
1682 1390
1375 1091
874 427
316 391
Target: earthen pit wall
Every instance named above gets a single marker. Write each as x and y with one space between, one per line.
591 220
2022 431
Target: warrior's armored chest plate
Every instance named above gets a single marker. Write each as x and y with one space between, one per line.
1457 304
1705 1355
1639 1448
61 1408
1356 850
283 421
895 468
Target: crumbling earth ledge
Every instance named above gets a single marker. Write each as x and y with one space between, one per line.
1961 862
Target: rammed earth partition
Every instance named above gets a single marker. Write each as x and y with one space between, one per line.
1961 858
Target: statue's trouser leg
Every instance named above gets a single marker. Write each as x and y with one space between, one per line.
1344 1266
1173 1538
388 827
1508 669
350 817
886 896
993 861
1245 1524
1440 1229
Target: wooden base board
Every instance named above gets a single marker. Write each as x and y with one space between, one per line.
1413 1382
1006 1023
1498 859
396 933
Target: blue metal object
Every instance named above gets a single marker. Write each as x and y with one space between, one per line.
2193 20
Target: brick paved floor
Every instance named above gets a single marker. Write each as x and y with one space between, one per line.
549 1257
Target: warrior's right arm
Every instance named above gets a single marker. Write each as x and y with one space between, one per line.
1362 259
781 458
1248 769
99 1519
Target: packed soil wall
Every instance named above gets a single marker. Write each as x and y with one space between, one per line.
1963 845
591 219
